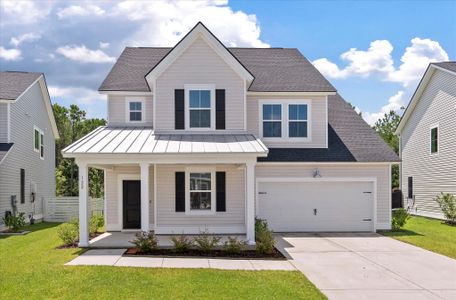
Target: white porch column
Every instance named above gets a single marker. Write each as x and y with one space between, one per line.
83 204
250 202
145 196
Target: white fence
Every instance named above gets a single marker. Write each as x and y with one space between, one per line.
62 209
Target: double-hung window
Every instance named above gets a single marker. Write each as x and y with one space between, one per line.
135 110
434 139
200 187
272 120
38 141
200 108
297 120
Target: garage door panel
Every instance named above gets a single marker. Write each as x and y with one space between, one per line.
339 206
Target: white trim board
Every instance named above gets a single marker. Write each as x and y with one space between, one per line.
231 229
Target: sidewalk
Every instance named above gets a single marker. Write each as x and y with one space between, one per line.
113 257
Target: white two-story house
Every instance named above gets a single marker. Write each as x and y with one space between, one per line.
427 135
27 145
205 137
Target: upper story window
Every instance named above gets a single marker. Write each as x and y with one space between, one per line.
38 141
199 106
285 119
434 139
135 109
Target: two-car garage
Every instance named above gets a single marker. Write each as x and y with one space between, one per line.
310 205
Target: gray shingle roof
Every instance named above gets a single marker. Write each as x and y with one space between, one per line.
4 148
350 139
449 65
13 84
274 69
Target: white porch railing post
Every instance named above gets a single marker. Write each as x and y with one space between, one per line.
250 202
145 196
83 204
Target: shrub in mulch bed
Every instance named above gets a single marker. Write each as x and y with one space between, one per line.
275 254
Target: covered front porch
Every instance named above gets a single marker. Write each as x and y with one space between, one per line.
169 184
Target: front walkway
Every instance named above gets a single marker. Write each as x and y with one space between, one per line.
370 266
113 257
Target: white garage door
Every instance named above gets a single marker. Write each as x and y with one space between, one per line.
316 206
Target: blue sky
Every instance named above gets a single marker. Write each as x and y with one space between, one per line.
373 52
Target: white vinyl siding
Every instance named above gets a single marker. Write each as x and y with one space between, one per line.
380 172
317 111
432 173
117 110
28 111
211 69
3 123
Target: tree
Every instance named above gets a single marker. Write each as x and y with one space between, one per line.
73 125
386 127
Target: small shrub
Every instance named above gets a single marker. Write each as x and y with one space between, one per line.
145 242
233 245
181 243
96 222
264 237
68 233
205 243
400 217
447 203
15 223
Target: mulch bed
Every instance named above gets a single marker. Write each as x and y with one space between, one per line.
247 254
8 232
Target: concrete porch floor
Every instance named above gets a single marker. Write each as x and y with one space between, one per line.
121 239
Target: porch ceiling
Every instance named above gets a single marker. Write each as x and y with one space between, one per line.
143 140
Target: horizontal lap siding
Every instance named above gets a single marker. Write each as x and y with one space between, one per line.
431 174
363 171
235 204
318 121
199 64
27 111
117 111
3 123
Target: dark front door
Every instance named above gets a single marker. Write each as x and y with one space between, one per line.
131 204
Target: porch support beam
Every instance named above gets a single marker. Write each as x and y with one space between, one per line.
145 196
250 202
83 204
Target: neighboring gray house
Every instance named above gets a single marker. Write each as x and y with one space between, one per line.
27 144
204 137
427 134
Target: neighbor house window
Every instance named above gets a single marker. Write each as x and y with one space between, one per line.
135 110
410 187
200 191
272 120
434 139
38 141
200 108
22 186
297 120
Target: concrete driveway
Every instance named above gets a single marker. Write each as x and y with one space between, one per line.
370 266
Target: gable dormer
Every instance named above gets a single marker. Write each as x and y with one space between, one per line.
199 86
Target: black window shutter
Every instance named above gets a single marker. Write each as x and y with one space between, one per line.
219 109
410 187
179 109
221 191
22 186
180 191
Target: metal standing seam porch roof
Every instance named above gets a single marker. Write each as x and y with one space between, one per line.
142 140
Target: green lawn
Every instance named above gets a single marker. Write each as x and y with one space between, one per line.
429 234
31 267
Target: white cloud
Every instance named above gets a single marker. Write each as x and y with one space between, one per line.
395 103
10 54
24 11
104 45
80 11
26 37
378 60
415 60
164 23
84 55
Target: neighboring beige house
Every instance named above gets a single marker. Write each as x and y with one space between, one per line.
27 144
427 134
204 137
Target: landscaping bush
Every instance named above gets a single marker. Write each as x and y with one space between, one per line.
400 217
15 223
181 243
68 233
447 203
264 237
145 242
233 245
205 242
96 222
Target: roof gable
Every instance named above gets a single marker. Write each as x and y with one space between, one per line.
199 31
